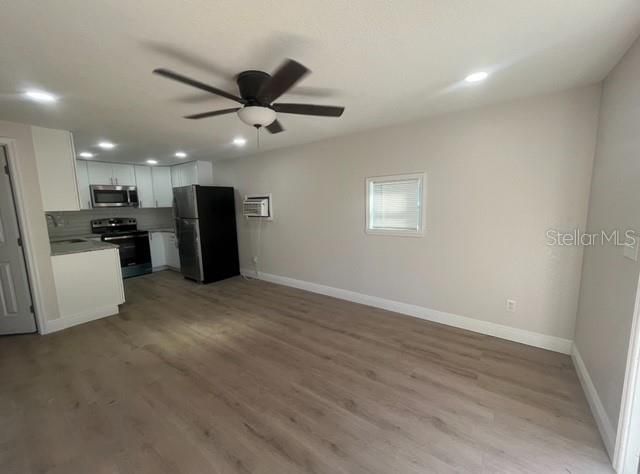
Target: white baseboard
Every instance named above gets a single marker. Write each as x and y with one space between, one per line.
605 426
69 321
530 338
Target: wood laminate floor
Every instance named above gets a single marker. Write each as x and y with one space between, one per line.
250 377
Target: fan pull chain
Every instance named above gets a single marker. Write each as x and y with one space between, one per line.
258 137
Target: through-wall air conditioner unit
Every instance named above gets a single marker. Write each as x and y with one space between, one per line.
257 206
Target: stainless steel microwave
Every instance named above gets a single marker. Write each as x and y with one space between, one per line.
114 196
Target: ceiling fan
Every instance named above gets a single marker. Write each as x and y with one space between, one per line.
258 91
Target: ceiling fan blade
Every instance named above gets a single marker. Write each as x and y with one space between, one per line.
309 109
212 113
193 83
282 80
275 127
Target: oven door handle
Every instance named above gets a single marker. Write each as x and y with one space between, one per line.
120 237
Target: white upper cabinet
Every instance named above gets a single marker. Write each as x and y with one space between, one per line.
155 183
194 172
162 189
144 182
82 171
56 163
124 175
100 173
205 173
111 173
183 175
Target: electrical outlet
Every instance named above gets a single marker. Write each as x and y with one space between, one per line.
511 306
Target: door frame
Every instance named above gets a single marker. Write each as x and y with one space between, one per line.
33 275
628 431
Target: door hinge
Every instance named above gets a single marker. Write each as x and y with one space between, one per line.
19 241
6 170
32 310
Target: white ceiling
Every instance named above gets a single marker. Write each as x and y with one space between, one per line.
386 61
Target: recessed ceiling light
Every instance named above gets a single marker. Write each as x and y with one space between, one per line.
106 145
86 154
151 161
180 154
239 141
477 76
40 96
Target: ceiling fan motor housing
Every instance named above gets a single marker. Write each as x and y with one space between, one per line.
255 113
250 83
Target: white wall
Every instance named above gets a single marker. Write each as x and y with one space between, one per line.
40 271
609 280
498 178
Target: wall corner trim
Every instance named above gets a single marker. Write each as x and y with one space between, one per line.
597 408
522 336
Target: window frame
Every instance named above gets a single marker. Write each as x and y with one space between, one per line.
422 177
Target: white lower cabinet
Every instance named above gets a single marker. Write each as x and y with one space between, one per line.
158 252
173 257
164 252
83 293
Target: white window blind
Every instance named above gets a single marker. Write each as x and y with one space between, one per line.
395 204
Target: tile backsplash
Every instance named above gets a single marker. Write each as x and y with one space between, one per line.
72 223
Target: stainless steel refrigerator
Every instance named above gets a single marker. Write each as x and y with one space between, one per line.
205 220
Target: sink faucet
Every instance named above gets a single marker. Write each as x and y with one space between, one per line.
53 219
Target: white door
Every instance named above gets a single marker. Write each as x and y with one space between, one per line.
144 182
100 172
16 314
124 175
157 244
82 171
162 189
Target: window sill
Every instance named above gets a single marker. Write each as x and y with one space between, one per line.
394 233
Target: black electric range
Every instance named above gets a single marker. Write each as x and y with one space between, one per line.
133 244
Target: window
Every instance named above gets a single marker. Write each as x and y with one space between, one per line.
395 205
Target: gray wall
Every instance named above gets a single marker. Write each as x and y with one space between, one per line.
609 280
497 178
77 222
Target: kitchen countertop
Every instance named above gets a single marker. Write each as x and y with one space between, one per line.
70 245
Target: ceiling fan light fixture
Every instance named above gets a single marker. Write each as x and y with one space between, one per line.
257 116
